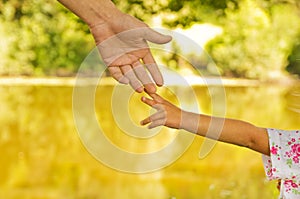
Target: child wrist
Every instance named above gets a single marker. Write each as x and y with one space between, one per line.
189 121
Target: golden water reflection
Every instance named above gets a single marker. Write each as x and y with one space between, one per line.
42 156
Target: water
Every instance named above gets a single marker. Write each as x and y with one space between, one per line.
42 155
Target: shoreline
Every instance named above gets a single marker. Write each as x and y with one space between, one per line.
191 80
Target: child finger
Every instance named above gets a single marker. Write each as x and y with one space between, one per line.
148 101
153 95
145 121
157 123
156 116
158 107
156 97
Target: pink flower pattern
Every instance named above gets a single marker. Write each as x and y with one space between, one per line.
284 161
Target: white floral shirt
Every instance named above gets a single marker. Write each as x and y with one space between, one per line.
284 161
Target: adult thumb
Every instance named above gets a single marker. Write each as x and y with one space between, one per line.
156 37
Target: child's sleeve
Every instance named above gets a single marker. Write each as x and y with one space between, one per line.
284 161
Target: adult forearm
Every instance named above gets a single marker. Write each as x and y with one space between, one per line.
92 11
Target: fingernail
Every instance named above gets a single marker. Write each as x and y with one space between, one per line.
160 83
139 90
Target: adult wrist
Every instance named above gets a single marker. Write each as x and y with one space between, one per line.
102 14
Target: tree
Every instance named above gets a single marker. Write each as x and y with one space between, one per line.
294 60
177 12
41 37
257 37
256 40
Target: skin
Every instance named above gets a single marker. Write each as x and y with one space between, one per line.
122 42
230 131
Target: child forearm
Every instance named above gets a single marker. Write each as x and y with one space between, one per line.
227 130
222 129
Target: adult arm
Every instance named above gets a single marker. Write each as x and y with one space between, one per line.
122 42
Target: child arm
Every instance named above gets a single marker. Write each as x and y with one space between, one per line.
231 131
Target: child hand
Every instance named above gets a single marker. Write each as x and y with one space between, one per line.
167 114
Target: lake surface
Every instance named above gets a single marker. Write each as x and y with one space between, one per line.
44 157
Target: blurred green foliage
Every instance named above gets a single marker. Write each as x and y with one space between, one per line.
256 42
259 37
176 12
294 60
41 37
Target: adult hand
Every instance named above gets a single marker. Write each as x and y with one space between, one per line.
122 43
